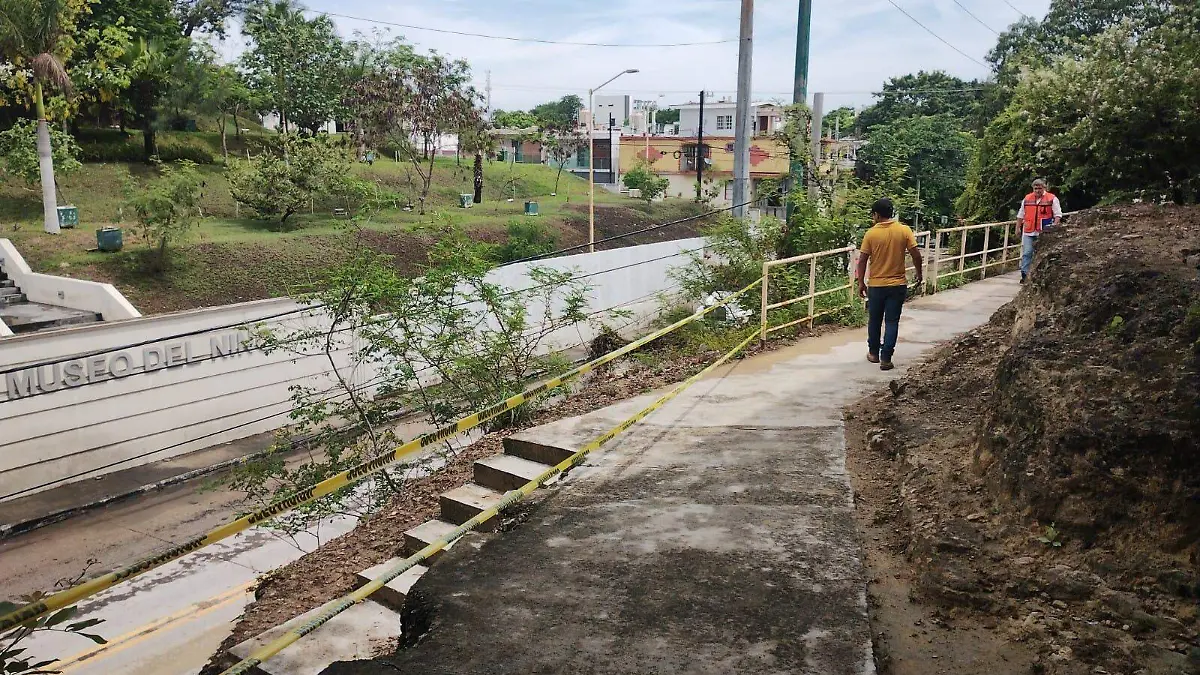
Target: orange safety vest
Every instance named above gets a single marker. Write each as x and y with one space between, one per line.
1037 211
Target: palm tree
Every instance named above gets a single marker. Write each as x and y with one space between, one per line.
31 33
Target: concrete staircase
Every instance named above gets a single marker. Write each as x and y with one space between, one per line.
23 316
375 624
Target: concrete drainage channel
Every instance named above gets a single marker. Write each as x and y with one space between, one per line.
373 627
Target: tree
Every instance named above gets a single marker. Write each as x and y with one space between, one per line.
167 208
477 140
280 184
414 107
642 178
296 64
560 114
667 116
934 151
206 16
840 120
18 148
561 145
34 33
1116 120
925 94
225 93
151 66
515 119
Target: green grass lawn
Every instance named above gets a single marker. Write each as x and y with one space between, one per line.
233 257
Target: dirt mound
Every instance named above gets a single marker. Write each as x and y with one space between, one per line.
1095 422
1030 495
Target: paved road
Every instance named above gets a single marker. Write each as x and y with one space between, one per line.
716 537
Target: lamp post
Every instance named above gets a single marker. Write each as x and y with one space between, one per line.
592 161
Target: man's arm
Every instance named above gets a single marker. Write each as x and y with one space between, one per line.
861 273
1057 209
1021 212
915 252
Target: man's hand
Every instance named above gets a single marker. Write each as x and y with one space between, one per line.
862 290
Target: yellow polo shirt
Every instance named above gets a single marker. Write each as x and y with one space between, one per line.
887 243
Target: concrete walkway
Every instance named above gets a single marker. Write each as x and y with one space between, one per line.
716 537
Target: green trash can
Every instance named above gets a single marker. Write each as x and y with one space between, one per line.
109 240
68 216
531 208
465 201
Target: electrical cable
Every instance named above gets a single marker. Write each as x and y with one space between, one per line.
977 19
519 39
939 37
1023 14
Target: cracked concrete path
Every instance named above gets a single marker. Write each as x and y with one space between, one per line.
715 537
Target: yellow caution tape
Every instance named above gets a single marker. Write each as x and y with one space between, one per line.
335 607
70 596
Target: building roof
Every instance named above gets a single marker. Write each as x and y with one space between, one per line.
710 104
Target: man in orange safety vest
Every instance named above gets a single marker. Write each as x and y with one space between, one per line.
1038 210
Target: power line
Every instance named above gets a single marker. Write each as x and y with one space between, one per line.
520 39
1016 10
977 19
939 37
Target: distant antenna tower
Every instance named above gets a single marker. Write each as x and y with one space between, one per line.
489 95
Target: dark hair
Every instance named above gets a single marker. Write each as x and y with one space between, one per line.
883 208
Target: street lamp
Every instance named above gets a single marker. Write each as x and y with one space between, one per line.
592 161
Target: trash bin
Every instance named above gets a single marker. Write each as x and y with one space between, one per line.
465 201
68 216
531 208
109 240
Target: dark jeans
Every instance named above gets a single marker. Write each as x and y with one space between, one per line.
884 304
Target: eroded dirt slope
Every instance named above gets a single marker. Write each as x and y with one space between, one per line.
1030 496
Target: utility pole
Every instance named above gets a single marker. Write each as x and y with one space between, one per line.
800 84
741 140
700 151
818 114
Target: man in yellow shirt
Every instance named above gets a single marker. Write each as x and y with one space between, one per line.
886 289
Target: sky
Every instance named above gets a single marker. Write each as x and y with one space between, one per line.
856 45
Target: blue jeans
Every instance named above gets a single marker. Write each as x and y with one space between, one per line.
1027 244
884 304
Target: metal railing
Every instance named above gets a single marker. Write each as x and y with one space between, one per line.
811 315
938 256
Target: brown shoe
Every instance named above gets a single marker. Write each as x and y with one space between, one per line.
872 358
886 365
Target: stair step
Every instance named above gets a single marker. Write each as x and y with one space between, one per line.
506 472
464 503
363 631
426 533
393 593
27 317
9 290
7 283
16 298
534 451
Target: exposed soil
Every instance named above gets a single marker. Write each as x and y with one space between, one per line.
1029 497
329 572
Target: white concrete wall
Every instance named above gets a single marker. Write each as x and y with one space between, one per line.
88 296
64 430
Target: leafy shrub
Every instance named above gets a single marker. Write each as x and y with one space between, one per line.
166 208
174 148
275 187
18 151
526 238
642 178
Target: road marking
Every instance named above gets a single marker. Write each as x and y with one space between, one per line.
137 635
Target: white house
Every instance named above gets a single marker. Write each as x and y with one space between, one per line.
720 116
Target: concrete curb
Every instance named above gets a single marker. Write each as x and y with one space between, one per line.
13 529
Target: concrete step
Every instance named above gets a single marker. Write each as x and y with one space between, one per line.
32 316
424 534
464 503
9 290
15 298
393 593
506 472
364 630
7 283
535 452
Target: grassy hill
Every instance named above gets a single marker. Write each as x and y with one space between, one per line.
233 258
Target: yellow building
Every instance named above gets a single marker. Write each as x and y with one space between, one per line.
674 158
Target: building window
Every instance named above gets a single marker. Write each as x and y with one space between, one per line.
724 122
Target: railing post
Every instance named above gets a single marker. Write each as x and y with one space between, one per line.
1004 256
935 265
762 321
962 254
852 258
928 259
812 290
987 235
